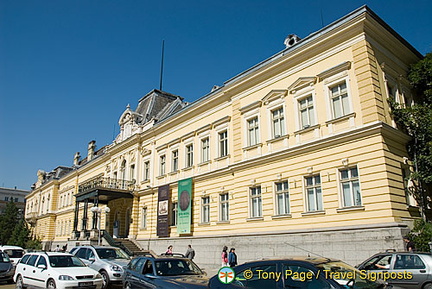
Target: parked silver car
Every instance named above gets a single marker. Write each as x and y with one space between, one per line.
108 261
408 270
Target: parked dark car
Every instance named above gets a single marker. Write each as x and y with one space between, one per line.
410 270
7 269
165 271
301 272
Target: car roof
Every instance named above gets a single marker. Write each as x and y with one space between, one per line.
97 247
403 252
5 247
49 253
311 260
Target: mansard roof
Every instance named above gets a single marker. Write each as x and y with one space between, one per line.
158 105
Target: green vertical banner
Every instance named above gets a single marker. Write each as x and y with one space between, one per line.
184 206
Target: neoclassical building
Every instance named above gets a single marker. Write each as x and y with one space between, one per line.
297 155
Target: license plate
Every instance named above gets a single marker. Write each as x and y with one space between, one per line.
85 284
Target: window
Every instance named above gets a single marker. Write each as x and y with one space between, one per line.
350 187
162 163
174 207
144 218
132 172
205 209
339 100
253 131
146 170
282 198
313 193
223 144
307 115
189 155
205 150
278 122
175 160
409 262
255 202
224 207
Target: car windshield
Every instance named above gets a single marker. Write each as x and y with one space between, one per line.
343 273
4 258
111 253
14 253
176 267
65 261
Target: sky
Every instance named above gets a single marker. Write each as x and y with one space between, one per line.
68 69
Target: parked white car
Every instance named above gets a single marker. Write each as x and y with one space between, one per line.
55 270
14 252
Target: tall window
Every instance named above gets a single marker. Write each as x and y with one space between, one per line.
224 207
132 172
256 202
350 187
278 122
205 210
162 165
189 155
174 207
313 193
339 100
223 144
253 128
282 198
205 150
146 170
307 116
175 160
144 218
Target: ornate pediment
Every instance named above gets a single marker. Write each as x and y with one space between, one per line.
301 83
273 95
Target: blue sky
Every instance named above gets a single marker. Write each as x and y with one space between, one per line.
68 69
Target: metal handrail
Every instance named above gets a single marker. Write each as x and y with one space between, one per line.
107 183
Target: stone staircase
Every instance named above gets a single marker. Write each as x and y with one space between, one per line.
130 247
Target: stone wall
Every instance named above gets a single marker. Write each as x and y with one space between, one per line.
352 245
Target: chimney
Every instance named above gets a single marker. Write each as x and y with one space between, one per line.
77 158
91 150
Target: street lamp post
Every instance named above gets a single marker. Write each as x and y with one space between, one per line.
98 212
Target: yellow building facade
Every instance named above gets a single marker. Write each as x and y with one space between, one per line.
296 155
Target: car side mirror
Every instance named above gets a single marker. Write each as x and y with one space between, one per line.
92 260
41 266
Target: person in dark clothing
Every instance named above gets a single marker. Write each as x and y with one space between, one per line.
232 258
410 246
190 253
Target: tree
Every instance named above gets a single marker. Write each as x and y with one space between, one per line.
416 121
20 235
8 220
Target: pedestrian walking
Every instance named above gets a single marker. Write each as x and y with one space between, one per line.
190 252
224 256
232 258
169 251
410 246
57 249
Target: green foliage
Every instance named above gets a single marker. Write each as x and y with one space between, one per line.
416 121
33 244
421 235
8 220
14 230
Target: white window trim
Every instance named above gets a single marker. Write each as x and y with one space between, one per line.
142 217
147 159
299 95
340 191
270 109
220 206
203 211
333 81
276 209
202 138
251 203
246 117
305 194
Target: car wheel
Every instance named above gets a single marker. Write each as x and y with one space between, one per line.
51 284
19 283
127 286
105 279
427 286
